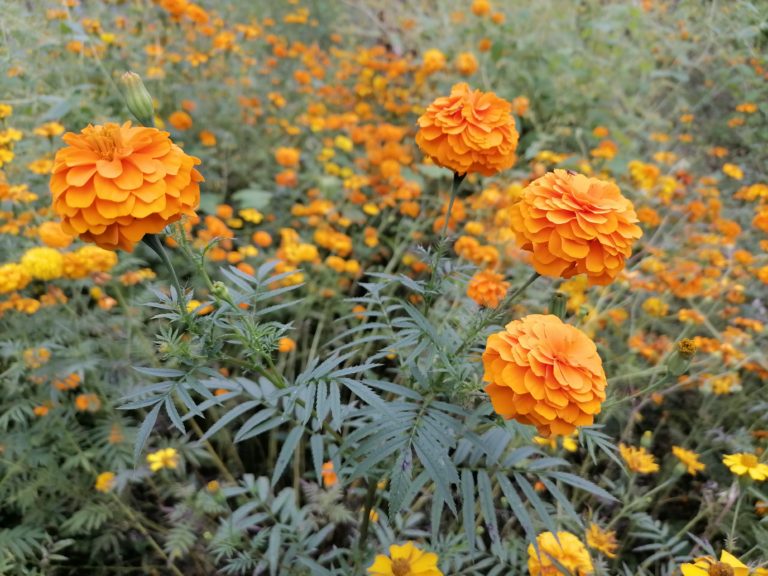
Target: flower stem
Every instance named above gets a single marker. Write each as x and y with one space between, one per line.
457 180
153 241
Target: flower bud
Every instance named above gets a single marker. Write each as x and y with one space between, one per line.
646 440
137 98
557 305
220 290
680 359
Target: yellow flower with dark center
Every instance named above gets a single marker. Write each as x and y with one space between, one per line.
163 458
728 565
405 560
602 540
689 459
638 459
742 464
567 550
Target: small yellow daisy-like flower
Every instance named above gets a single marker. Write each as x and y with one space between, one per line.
689 459
728 565
405 560
163 458
567 550
602 540
638 459
742 464
733 171
105 482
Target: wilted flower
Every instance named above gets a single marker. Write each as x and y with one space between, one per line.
638 459
469 131
602 540
405 560
113 184
689 459
567 550
546 373
573 224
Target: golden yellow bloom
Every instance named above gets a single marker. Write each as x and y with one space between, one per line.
602 540
49 129
113 184
733 171
742 464
466 63
469 131
53 236
43 263
487 288
105 481
163 458
689 459
728 565
13 277
546 373
434 60
329 474
405 560
286 344
638 459
287 157
570 553
573 224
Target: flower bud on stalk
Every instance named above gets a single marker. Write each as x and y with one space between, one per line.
680 360
137 98
557 305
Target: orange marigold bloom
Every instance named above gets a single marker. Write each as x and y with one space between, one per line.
546 373
487 288
574 224
53 236
469 131
113 184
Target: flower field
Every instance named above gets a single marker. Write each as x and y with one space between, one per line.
410 288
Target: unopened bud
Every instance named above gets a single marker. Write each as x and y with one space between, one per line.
646 440
681 358
220 290
557 305
137 98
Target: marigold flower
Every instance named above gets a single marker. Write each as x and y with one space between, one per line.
546 373
434 60
286 344
742 464
287 157
180 120
163 458
689 459
87 403
487 288
105 482
469 131
638 459
405 560
43 263
567 550
113 184
53 236
466 63
13 277
728 565
602 540
574 224
329 475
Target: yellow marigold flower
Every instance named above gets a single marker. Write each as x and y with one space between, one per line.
567 550
469 131
481 7
207 138
742 464
638 459
180 120
689 459
113 184
573 224
5 110
105 481
13 277
546 373
602 540
487 288
49 129
656 307
163 458
434 61
43 263
733 171
87 403
728 565
41 166
405 560
193 305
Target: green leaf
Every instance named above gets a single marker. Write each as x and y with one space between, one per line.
253 198
468 506
144 430
289 446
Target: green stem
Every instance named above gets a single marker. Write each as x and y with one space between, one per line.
457 180
153 241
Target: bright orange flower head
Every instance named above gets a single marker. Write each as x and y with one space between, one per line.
487 288
575 225
469 131
113 184
546 373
